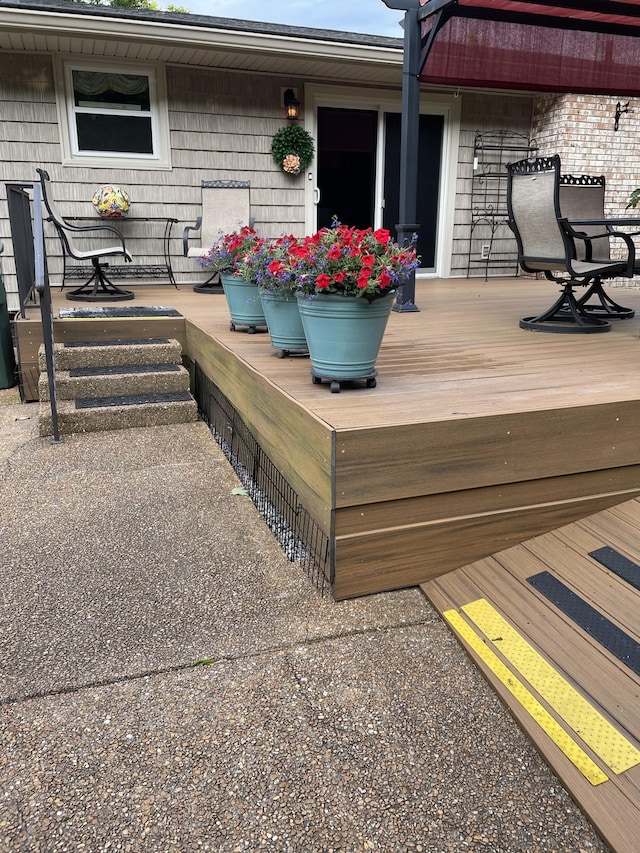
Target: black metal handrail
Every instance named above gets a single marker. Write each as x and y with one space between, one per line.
46 311
31 270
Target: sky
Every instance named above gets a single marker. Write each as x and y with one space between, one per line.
357 16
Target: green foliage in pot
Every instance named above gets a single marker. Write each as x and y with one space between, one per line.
292 148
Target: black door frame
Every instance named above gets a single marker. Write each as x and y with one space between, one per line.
447 105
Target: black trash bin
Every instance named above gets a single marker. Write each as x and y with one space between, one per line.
7 358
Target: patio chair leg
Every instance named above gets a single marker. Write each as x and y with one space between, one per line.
566 316
99 288
211 285
605 306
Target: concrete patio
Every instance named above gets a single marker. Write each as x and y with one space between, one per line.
313 725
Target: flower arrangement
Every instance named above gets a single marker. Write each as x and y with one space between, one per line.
352 262
231 250
291 164
274 265
341 259
292 148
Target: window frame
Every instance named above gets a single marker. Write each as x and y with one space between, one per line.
160 158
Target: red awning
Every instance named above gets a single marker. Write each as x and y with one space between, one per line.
565 46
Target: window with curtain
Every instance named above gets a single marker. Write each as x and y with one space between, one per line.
112 112
115 115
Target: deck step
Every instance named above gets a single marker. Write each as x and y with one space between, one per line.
112 353
115 379
116 384
124 412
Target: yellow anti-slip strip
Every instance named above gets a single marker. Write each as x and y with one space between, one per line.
603 738
554 730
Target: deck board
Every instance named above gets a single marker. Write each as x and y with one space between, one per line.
610 686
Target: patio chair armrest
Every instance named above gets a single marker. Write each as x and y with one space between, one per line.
582 235
88 229
609 232
631 248
185 234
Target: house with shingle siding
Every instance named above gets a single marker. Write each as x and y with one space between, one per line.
207 99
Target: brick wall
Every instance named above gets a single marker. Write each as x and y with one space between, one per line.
580 128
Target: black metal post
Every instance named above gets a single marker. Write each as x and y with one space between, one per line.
46 312
409 140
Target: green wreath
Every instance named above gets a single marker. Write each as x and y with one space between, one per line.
292 148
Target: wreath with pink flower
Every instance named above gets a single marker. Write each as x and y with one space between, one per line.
292 149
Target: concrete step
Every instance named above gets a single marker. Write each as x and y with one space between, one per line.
115 380
113 353
106 385
121 412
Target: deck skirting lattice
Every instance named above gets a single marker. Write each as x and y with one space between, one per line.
299 536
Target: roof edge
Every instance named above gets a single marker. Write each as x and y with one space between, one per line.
205 22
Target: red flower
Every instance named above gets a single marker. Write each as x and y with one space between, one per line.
323 281
384 280
299 251
382 235
334 252
368 261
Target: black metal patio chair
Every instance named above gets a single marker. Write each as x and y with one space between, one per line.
582 197
97 288
546 244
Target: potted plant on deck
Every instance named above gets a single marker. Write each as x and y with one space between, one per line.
346 284
273 268
226 256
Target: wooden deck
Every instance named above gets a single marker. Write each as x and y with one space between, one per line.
582 712
478 435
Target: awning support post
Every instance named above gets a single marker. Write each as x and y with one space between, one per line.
409 139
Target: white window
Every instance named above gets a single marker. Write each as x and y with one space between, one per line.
114 116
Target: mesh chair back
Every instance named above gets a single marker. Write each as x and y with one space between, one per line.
57 219
226 207
532 200
582 197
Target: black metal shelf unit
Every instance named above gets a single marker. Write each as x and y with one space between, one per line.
491 243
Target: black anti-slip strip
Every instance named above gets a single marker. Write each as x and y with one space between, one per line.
119 369
118 343
132 400
618 564
589 619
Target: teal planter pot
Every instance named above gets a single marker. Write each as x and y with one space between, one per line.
243 300
284 322
344 334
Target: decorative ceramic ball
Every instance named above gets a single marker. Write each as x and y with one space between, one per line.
111 201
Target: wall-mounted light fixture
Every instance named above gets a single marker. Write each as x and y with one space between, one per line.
620 110
291 103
